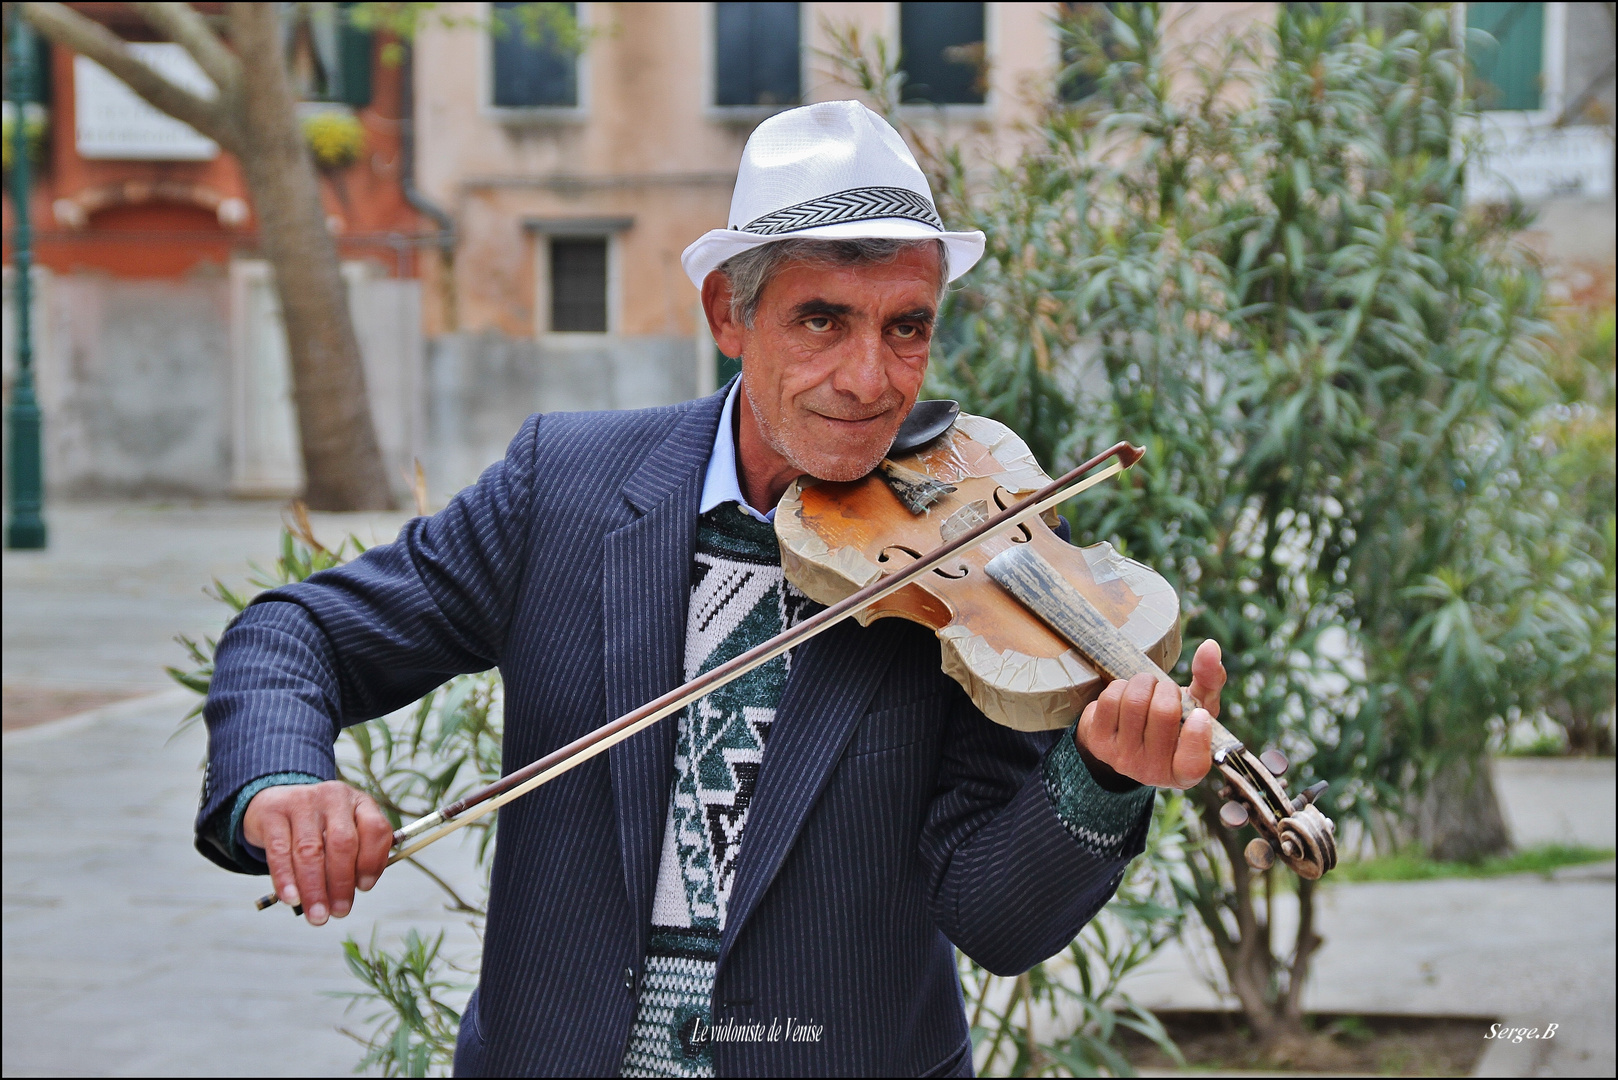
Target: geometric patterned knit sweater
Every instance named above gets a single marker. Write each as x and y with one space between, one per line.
739 598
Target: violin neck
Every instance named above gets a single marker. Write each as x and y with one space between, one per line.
1043 590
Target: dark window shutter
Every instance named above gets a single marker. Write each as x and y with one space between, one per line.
578 285
530 73
756 54
941 53
1507 69
354 61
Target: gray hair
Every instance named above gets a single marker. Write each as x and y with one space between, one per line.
751 271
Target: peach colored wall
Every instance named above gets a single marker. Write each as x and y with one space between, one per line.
644 144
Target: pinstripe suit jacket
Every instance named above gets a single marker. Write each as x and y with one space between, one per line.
891 818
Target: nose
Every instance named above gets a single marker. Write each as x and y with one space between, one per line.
863 371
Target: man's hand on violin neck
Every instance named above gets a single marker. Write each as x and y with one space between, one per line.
1134 727
321 842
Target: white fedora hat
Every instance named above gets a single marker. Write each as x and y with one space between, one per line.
830 171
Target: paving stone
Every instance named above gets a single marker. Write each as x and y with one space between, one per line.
127 954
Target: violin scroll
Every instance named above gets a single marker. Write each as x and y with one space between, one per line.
1291 827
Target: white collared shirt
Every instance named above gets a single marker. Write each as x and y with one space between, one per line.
720 485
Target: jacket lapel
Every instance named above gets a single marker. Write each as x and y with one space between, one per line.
833 678
646 575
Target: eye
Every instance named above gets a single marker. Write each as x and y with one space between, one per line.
907 331
818 324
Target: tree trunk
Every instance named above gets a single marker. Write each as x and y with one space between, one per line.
342 459
1268 987
1458 816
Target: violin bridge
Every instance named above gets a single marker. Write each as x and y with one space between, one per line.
964 520
917 491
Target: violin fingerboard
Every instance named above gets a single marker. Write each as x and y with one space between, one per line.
1042 589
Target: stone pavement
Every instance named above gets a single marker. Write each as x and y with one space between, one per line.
125 953
128 954
98 610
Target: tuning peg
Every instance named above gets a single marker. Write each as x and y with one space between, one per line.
1233 815
1259 854
1308 795
1275 761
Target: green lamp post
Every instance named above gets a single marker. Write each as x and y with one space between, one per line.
25 528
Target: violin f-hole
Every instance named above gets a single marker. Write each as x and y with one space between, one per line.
954 574
1022 535
910 551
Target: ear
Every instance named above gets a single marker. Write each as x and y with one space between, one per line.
728 333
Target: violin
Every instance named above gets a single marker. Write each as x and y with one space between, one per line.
1031 627
953 530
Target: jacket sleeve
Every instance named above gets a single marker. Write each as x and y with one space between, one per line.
1023 847
358 641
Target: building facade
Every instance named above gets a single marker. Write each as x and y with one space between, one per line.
512 229
161 362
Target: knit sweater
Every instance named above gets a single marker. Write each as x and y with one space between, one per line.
739 599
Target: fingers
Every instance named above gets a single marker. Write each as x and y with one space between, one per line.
321 841
275 837
1098 727
376 842
309 860
1193 752
1208 676
1132 713
1132 728
1162 729
342 851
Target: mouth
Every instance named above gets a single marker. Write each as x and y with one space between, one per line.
855 425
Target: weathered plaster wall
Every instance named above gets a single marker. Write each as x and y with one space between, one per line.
481 387
643 144
132 379
169 387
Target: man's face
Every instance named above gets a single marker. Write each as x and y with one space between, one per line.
835 358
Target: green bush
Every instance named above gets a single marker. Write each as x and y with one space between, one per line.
1254 257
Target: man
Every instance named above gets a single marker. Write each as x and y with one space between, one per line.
774 883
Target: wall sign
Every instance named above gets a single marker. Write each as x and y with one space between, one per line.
111 122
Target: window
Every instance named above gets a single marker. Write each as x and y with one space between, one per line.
533 66
329 57
578 284
756 51
1507 64
942 53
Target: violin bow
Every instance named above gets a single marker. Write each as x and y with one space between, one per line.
416 835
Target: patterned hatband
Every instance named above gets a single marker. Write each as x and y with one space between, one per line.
855 204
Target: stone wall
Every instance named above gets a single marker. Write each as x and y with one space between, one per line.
133 379
178 388
481 387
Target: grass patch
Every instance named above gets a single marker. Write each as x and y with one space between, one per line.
1413 866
